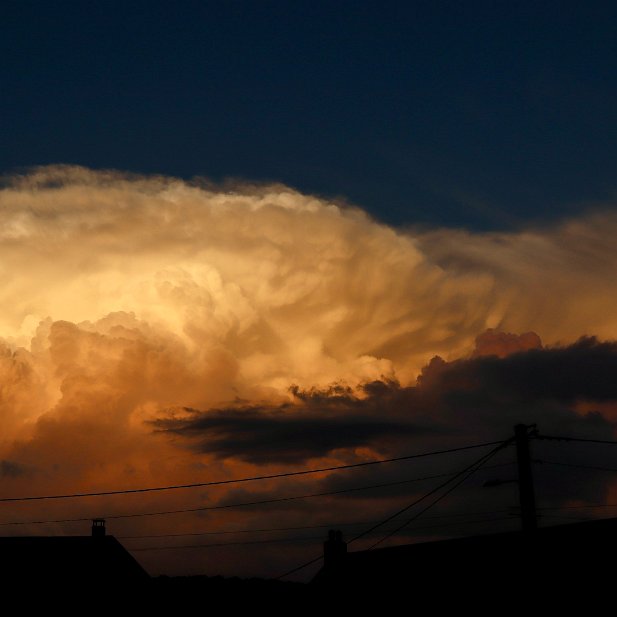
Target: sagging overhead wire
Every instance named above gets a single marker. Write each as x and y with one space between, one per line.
461 476
480 461
575 439
231 505
324 526
576 466
273 476
299 538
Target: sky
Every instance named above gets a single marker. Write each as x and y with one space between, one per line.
481 114
243 239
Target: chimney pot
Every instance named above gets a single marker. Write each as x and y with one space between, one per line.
98 527
335 549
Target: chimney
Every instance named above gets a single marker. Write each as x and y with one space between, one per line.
334 550
98 527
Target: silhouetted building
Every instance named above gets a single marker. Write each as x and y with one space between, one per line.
566 559
96 560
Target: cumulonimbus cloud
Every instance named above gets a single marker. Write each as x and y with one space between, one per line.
123 296
207 294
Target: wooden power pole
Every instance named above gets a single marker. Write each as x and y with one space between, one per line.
526 492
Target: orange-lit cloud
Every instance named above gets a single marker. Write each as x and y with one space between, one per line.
126 298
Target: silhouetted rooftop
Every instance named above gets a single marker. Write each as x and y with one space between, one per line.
70 558
551 557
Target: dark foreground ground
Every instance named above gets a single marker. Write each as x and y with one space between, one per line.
233 596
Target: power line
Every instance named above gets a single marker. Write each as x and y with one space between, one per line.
484 458
295 539
435 490
592 467
235 531
472 469
554 438
287 474
595 505
416 516
569 518
301 567
217 544
303 527
231 505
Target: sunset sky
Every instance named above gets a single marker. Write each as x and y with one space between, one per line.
244 238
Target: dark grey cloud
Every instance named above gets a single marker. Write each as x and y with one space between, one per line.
584 370
288 434
453 402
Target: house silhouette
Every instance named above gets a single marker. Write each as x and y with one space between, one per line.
560 563
94 560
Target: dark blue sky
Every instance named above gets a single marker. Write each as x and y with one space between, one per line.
481 114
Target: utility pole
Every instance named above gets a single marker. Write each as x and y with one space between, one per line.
526 492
